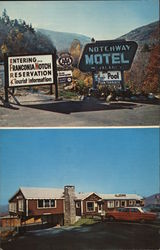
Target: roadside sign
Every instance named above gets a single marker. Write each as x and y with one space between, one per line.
65 60
107 55
64 76
28 70
110 77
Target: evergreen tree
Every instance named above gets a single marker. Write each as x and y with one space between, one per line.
18 37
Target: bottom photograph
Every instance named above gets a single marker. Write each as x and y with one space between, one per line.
85 189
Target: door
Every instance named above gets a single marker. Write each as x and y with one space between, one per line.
78 208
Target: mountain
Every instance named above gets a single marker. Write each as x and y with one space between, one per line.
146 34
63 40
144 73
3 210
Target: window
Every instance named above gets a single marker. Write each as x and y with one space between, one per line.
40 203
20 205
90 206
123 203
110 204
120 209
53 203
135 210
116 203
131 202
46 203
125 210
77 204
13 207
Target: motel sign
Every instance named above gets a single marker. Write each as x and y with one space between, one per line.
107 55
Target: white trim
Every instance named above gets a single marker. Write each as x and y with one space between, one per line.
110 204
13 207
44 204
82 207
85 196
20 205
99 208
117 201
26 207
94 127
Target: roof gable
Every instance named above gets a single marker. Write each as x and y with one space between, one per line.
41 193
17 194
83 196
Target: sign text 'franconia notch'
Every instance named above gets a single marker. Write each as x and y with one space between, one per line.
30 70
107 55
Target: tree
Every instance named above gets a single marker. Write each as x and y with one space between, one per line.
152 79
75 51
145 48
18 37
5 17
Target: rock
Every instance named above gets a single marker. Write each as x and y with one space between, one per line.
109 98
70 87
82 97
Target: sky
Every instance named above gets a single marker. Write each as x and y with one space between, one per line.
94 160
98 19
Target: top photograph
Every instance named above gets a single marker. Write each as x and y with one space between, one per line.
79 63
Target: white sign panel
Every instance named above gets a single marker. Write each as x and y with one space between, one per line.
111 76
64 76
65 73
30 70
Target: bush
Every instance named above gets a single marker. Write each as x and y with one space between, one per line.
81 87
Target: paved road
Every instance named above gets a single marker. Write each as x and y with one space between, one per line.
100 236
50 113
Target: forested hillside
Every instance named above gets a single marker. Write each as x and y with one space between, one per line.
144 75
18 37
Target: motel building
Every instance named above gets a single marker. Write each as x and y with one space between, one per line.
64 206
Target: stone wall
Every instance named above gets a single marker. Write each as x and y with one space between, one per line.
69 205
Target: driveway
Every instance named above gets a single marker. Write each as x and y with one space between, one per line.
101 236
39 111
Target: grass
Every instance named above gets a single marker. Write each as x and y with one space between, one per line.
68 94
86 222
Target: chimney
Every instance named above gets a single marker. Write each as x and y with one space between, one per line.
69 205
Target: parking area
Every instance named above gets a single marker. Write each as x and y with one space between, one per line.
106 235
43 111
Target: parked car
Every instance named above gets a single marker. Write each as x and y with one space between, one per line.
130 214
153 208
